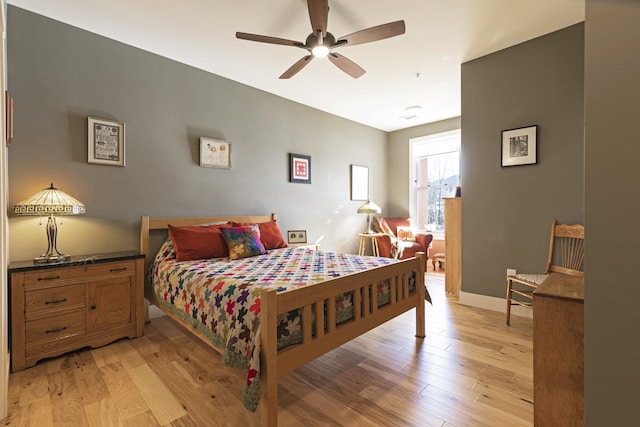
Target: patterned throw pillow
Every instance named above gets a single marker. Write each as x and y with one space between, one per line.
406 234
243 241
270 234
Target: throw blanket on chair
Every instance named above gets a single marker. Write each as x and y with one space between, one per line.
381 226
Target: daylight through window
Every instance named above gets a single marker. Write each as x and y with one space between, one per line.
436 173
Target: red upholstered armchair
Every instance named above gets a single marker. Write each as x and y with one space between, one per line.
389 245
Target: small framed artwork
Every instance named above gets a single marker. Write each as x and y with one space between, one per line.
299 168
297 236
520 146
359 182
106 142
215 153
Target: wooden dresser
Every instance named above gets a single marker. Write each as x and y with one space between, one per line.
558 351
452 244
90 300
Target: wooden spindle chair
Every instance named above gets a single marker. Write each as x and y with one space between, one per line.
566 256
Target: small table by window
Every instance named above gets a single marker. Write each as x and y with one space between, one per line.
374 243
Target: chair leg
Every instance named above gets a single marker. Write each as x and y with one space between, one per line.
509 284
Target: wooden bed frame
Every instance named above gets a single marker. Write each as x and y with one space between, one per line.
310 299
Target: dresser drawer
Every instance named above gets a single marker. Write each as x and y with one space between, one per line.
56 275
53 301
55 328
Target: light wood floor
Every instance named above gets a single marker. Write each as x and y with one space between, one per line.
471 370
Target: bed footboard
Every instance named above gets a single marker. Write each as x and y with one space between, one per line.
321 332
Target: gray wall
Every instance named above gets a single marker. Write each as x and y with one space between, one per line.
59 75
612 209
398 163
507 212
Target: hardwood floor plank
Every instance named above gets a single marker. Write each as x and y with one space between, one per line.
184 421
144 345
396 404
164 405
314 407
466 402
128 355
67 404
145 419
103 413
126 397
34 385
105 355
39 412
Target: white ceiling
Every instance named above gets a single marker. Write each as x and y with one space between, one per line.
419 68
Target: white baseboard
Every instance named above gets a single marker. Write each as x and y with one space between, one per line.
492 303
155 312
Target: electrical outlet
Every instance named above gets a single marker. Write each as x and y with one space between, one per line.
511 271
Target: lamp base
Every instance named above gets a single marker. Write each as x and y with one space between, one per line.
44 259
52 254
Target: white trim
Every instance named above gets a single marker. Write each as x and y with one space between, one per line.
155 312
492 303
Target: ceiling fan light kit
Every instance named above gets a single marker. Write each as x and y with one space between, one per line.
321 43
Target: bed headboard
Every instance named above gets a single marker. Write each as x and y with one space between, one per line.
160 225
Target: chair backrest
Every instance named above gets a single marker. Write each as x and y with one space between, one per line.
566 249
394 223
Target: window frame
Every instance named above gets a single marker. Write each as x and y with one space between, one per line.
424 146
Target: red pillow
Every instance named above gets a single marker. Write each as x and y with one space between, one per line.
270 234
198 241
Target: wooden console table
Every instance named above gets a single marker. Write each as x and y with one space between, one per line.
558 351
453 244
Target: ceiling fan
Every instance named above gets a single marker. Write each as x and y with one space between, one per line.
322 43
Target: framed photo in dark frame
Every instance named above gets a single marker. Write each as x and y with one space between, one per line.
520 146
299 168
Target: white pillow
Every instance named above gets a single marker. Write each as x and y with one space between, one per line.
406 234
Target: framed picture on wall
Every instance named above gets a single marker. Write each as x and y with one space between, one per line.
520 146
359 182
106 142
215 153
299 168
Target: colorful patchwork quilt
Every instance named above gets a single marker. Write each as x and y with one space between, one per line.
221 298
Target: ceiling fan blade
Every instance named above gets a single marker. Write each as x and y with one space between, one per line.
293 70
346 65
372 34
319 15
269 39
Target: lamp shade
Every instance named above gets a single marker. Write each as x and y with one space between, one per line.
49 201
369 208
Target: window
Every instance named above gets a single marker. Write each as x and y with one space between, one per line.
435 161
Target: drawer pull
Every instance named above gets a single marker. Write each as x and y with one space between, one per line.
51 331
112 270
93 307
48 278
57 301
